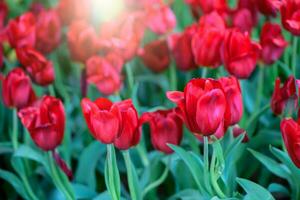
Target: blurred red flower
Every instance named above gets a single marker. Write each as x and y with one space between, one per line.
290 16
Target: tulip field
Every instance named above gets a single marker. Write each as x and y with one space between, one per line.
149 99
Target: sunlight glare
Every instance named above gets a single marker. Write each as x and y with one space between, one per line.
107 9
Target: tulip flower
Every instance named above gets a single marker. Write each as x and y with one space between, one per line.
82 41
155 55
208 6
21 31
40 69
207 40
17 90
112 122
237 131
166 128
268 7
181 48
104 74
284 95
243 20
251 6
202 105
272 42
45 121
48 31
290 16
239 53
290 131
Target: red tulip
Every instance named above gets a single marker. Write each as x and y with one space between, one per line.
36 8
208 39
155 55
45 121
160 18
104 74
48 30
231 87
202 105
237 131
282 95
40 69
268 7
17 90
290 16
82 41
130 133
290 131
181 47
239 53
251 6
112 122
166 127
243 20
3 13
208 6
272 43
21 31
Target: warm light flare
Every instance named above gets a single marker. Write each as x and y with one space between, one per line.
107 10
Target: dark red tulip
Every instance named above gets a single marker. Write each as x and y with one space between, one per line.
45 121
290 16
181 47
208 6
21 31
104 74
17 90
48 31
207 41
82 41
202 105
284 95
155 55
130 133
272 42
36 8
231 87
243 20
160 18
166 128
237 131
239 53
290 131
251 6
3 13
268 7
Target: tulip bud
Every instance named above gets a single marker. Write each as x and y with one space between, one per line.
290 131
40 69
45 121
166 128
17 90
21 31
268 7
239 53
290 16
272 43
155 55
237 131
202 105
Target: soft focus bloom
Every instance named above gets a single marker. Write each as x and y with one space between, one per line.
243 20
40 69
290 131
251 6
268 7
104 74
166 127
181 48
272 43
287 94
45 121
155 55
202 105
160 18
112 122
36 8
232 90
82 41
239 53
21 31
48 30
290 16
208 39
237 131
17 90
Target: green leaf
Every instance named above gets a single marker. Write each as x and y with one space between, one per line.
278 188
14 181
270 164
27 152
188 194
83 192
254 191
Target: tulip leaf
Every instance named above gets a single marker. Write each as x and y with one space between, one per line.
254 191
278 188
27 152
14 181
188 194
83 192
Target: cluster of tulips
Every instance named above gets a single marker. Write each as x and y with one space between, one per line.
227 43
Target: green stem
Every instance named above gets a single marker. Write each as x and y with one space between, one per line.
15 130
129 76
51 90
56 178
294 58
214 179
28 187
158 181
206 164
260 87
112 184
142 153
204 72
173 77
